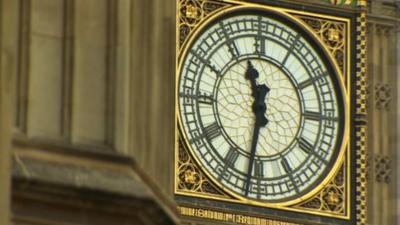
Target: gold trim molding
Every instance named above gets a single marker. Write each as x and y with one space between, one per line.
229 217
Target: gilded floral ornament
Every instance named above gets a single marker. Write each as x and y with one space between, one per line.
333 35
332 199
190 178
192 12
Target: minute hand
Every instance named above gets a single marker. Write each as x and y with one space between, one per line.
259 92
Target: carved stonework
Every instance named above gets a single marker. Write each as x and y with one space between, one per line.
388 8
332 199
383 96
190 178
383 169
192 12
333 35
383 30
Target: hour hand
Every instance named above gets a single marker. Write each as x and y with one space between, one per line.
259 106
251 75
251 72
259 92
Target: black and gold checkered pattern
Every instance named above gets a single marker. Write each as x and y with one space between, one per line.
361 115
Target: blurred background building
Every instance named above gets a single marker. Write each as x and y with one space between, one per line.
87 112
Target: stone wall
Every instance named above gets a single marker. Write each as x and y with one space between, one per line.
383 72
92 100
8 56
98 75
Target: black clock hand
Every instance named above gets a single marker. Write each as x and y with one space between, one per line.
259 92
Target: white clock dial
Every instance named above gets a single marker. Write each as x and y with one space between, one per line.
260 108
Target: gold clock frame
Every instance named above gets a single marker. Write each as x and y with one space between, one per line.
340 29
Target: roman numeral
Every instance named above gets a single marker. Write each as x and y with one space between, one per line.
292 46
205 99
196 137
287 56
231 157
258 168
201 98
259 45
233 49
205 62
316 116
288 169
306 83
212 131
305 145
310 81
286 165
259 40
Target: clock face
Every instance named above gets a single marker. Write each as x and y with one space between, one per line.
259 107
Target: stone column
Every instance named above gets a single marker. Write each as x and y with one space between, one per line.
8 53
5 141
152 89
397 163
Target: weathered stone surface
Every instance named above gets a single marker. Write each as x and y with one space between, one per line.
47 17
383 136
8 55
48 186
80 176
38 203
45 90
91 77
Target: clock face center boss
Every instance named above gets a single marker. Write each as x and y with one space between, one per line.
235 103
259 107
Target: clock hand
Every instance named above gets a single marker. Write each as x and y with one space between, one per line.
259 92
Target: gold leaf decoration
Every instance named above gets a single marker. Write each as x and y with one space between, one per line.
190 177
192 12
333 35
332 199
